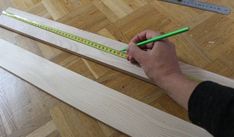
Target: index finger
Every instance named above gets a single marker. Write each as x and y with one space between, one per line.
144 35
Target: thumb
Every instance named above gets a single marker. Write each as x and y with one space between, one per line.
135 53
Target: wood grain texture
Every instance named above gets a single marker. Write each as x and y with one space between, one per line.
94 54
72 46
45 130
25 108
113 108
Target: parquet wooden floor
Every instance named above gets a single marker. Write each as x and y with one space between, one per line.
28 111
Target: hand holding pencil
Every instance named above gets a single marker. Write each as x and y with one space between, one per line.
158 59
160 37
160 64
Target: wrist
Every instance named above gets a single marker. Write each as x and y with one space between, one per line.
178 87
170 78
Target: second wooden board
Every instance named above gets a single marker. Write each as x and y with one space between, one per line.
107 105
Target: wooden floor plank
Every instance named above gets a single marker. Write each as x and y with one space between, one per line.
44 130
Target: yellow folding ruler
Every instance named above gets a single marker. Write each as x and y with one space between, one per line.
68 35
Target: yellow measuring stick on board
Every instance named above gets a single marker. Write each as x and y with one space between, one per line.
68 35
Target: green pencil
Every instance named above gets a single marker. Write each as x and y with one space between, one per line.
157 38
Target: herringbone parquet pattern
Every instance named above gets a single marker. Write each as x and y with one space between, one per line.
28 111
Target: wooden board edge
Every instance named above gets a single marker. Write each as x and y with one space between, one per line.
115 109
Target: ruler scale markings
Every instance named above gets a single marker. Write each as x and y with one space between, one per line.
202 5
68 35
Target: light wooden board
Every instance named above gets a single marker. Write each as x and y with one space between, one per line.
81 49
109 106
94 54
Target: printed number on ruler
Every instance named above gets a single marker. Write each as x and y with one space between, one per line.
68 35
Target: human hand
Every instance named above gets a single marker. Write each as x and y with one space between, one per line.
158 59
160 64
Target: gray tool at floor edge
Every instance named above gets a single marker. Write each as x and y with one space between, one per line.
201 5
